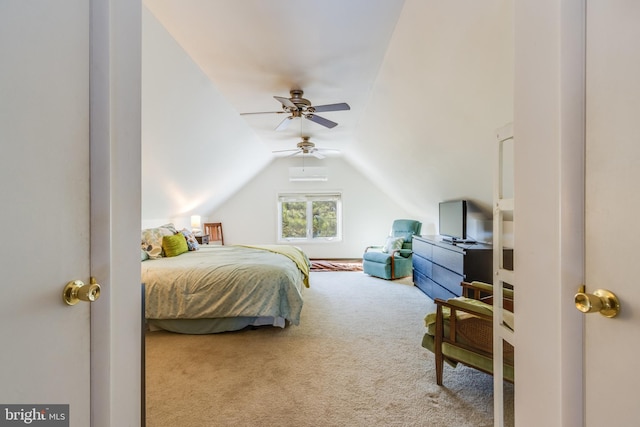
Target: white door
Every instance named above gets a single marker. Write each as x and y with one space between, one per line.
44 208
612 346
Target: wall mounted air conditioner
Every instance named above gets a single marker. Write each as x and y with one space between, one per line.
308 174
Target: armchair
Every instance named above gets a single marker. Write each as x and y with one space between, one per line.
392 260
461 330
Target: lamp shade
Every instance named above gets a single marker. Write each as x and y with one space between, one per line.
196 223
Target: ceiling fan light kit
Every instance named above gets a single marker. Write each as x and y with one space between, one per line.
306 147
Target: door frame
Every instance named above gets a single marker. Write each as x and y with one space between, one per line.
549 226
549 125
115 142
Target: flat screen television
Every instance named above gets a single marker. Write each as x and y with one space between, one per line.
452 222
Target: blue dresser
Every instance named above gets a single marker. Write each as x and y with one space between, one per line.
440 266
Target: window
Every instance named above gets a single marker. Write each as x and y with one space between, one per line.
309 217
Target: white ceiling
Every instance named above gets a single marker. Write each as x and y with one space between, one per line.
255 49
428 83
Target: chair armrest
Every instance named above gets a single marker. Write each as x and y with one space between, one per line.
402 252
479 309
484 292
460 304
471 306
487 288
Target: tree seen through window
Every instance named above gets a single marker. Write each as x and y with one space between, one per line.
309 217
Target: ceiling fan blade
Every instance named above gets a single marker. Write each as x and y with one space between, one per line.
286 151
263 112
332 107
317 154
321 121
285 123
286 102
295 153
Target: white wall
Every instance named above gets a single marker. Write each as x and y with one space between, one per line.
250 216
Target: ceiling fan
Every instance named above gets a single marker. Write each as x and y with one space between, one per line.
307 147
297 106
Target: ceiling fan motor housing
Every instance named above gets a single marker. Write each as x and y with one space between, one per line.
298 100
299 107
305 145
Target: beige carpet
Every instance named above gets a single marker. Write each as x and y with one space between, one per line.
355 360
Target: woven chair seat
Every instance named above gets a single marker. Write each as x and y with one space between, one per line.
467 336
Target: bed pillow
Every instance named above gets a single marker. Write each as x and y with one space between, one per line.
174 245
393 244
152 239
192 242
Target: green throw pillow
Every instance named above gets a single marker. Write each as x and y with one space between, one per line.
174 245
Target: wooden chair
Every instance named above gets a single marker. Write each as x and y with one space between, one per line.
484 292
214 231
461 330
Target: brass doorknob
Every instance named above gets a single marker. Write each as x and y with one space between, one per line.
601 300
77 291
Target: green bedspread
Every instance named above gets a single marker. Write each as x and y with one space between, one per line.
293 253
227 281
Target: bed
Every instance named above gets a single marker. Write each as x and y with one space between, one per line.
213 289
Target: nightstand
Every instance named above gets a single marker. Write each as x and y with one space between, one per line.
203 240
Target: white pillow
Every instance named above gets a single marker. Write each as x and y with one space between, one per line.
152 239
393 244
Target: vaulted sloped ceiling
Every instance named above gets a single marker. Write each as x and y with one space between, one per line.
446 84
427 81
255 49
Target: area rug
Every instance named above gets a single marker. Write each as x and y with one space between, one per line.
336 265
354 360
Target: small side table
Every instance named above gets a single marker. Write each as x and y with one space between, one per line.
203 240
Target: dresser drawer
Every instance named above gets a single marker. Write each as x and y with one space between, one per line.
425 284
422 265
422 248
439 267
449 259
447 279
